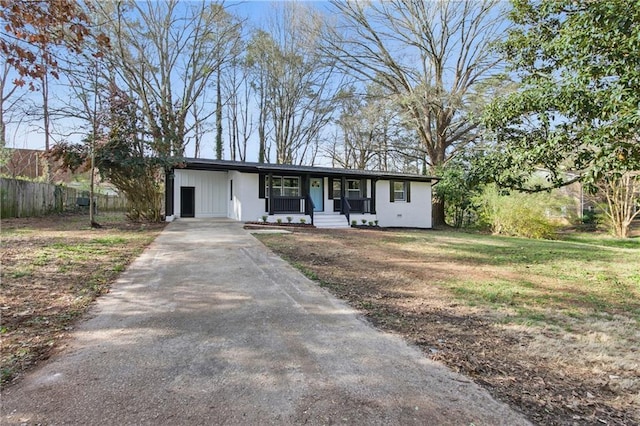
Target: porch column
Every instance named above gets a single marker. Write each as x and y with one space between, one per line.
168 192
305 190
373 195
343 185
270 177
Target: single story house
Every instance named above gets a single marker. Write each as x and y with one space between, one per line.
325 197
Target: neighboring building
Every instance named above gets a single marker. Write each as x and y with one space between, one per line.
326 197
32 164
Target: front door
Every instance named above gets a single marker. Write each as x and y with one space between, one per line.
316 191
187 201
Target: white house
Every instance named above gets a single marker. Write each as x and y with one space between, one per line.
326 197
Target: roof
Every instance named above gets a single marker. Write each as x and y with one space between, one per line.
222 165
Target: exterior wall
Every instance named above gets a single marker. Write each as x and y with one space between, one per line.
211 192
214 197
245 205
415 214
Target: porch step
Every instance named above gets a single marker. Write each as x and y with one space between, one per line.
330 221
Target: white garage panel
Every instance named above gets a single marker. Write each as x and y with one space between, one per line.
210 192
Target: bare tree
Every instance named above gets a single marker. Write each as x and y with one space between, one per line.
258 51
429 55
167 54
371 131
295 83
622 194
88 87
10 98
238 93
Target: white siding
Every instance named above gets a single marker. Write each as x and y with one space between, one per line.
214 198
245 206
415 214
211 192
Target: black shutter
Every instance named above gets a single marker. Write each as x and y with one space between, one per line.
392 197
408 191
261 186
363 188
330 184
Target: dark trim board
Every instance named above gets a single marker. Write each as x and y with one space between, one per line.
289 169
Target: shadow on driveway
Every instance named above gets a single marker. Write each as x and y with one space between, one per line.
207 326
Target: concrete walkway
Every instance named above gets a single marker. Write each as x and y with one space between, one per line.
209 327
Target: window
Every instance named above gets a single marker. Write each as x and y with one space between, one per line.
283 186
336 189
290 187
399 191
353 188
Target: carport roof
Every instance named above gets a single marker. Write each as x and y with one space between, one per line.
222 165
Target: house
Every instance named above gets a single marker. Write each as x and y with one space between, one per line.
33 164
325 197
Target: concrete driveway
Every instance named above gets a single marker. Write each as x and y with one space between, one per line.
209 327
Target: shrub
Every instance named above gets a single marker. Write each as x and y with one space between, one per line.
516 214
354 222
289 219
279 220
264 218
364 221
376 222
370 223
303 220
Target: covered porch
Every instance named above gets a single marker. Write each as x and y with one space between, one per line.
316 194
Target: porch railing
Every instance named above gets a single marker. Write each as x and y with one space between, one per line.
346 209
309 207
287 205
360 205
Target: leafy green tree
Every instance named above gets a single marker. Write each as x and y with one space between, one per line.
578 64
459 187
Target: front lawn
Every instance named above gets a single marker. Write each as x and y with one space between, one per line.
53 268
550 327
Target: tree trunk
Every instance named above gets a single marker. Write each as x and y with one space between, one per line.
437 213
218 118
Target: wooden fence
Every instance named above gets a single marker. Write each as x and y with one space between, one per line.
21 198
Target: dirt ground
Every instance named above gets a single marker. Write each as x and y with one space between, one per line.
53 268
538 371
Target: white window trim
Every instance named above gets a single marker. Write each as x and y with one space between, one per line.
267 182
403 199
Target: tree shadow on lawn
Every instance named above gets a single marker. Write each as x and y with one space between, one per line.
399 286
500 251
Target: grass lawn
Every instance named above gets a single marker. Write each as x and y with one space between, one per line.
52 269
551 327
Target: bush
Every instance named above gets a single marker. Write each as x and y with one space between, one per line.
303 220
516 214
279 220
289 219
354 222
